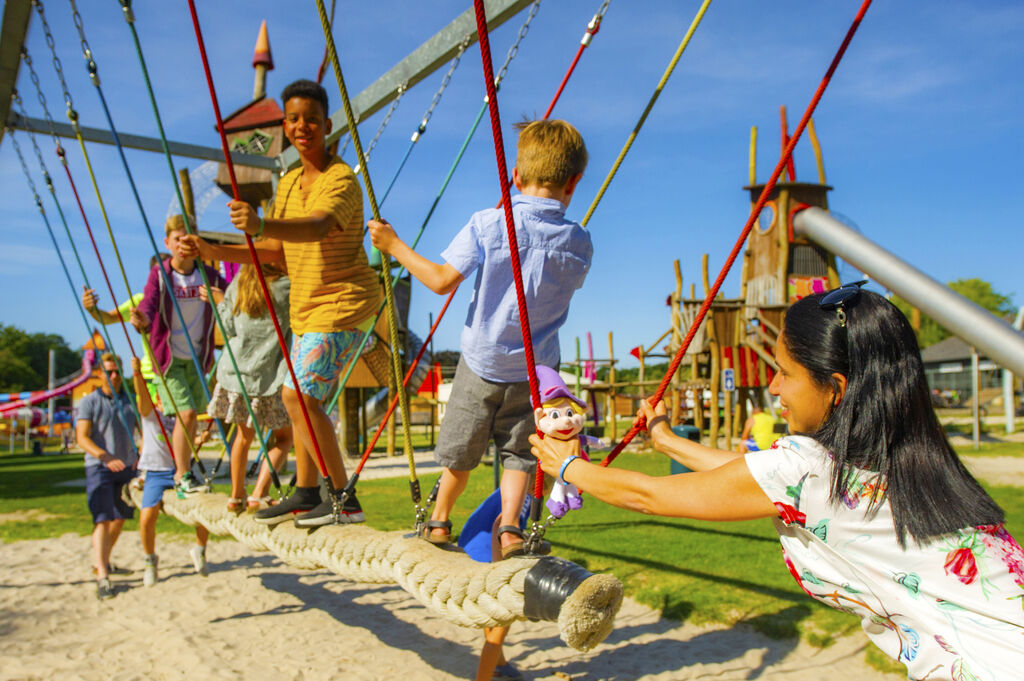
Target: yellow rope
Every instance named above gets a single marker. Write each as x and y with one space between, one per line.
396 359
650 105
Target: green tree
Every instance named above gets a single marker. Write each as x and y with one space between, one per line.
975 290
24 359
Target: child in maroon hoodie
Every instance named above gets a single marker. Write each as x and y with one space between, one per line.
182 391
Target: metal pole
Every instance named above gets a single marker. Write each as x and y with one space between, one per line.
51 403
1009 403
975 400
979 327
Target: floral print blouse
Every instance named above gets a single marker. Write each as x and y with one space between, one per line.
950 609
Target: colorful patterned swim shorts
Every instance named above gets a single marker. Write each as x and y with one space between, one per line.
318 358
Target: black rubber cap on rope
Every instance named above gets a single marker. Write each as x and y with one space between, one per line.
548 584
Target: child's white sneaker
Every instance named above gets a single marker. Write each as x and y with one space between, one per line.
149 575
198 554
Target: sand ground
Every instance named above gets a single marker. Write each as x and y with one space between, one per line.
256 618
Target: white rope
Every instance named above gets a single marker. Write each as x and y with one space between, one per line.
448 582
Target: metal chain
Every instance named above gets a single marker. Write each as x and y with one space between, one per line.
50 43
94 75
595 24
39 153
42 101
383 124
24 167
512 51
402 89
444 86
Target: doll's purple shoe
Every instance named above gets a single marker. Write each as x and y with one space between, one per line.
557 508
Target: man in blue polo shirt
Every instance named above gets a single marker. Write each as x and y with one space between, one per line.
104 427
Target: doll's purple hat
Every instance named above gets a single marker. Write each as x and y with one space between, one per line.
552 386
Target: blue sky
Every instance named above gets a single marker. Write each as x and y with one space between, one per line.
920 131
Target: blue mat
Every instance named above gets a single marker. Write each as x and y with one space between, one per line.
475 538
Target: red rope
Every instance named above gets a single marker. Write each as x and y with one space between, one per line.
510 225
106 278
248 239
592 28
787 154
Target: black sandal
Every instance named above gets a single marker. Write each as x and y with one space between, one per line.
516 548
440 540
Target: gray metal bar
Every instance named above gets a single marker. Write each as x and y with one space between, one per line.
421 62
39 125
977 326
12 36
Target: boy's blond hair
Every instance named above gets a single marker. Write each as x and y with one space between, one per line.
110 357
549 153
175 223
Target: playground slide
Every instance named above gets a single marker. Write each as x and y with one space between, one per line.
996 339
27 399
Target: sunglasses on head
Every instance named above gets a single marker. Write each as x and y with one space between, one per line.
837 298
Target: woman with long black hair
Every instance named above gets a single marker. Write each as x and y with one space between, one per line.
876 514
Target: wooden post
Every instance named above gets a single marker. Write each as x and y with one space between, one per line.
188 197
641 377
713 348
676 301
611 389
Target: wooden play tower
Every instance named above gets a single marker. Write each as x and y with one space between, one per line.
740 334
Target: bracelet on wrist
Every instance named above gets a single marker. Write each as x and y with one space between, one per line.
565 464
660 418
258 234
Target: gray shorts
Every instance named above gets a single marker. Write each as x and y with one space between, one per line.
479 411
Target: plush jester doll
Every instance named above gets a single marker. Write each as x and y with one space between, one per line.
561 416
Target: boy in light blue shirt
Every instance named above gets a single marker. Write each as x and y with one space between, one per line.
490 396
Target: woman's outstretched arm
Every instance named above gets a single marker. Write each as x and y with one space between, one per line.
728 492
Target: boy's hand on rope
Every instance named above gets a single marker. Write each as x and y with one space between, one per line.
218 295
139 320
193 246
243 217
89 298
382 235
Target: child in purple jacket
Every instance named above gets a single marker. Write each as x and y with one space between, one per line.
181 391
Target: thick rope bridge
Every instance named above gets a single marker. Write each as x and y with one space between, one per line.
448 582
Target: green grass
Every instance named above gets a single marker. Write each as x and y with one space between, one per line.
692 571
992 449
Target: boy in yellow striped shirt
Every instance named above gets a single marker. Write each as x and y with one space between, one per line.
316 227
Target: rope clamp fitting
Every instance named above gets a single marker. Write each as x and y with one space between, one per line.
126 7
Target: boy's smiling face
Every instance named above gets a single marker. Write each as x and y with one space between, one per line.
305 124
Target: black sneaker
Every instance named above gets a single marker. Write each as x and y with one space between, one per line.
323 514
301 500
